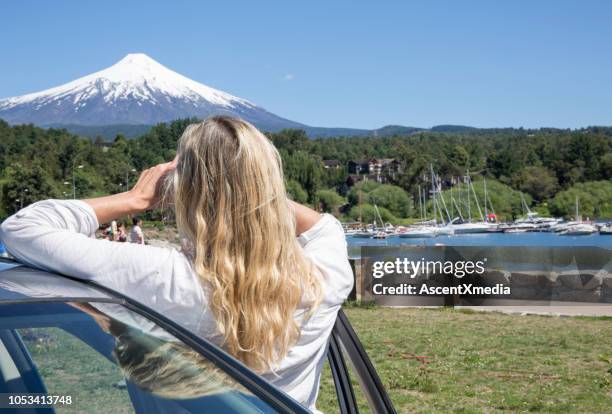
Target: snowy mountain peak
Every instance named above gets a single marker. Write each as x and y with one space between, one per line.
135 90
138 59
136 77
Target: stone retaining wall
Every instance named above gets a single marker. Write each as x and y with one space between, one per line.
592 286
574 286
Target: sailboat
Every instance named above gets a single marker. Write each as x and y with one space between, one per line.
533 221
469 227
423 229
364 233
380 234
579 229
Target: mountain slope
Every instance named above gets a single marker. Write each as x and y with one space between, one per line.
135 90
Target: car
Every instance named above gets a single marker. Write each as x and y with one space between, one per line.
68 343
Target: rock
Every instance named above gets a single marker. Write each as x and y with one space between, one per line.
580 280
593 295
541 280
606 280
522 292
493 277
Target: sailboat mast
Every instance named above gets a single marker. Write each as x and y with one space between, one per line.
382 223
475 198
424 204
420 203
360 208
485 199
433 192
578 219
458 209
460 197
469 205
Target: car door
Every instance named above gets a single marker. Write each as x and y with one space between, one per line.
104 357
344 346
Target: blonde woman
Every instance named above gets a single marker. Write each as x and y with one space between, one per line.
261 276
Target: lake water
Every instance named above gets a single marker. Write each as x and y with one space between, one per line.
491 239
509 251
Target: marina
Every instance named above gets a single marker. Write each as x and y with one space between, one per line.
489 239
452 223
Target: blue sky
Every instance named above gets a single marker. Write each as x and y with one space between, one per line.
336 63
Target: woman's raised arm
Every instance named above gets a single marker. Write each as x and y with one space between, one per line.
144 196
305 217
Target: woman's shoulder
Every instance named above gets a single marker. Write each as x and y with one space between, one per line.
327 228
325 244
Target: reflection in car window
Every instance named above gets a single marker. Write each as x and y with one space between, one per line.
69 368
98 354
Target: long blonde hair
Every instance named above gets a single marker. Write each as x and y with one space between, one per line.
232 206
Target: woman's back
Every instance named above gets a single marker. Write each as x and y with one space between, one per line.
164 279
261 276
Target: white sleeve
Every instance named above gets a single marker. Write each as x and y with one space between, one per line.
325 244
56 235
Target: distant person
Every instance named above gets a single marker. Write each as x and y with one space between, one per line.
259 275
136 235
113 230
121 233
107 233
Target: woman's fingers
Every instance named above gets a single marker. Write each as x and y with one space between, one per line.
148 185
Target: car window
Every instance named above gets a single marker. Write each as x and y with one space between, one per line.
68 367
109 359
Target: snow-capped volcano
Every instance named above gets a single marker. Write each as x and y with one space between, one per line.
135 90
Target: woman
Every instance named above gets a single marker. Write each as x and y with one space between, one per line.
121 234
243 279
136 234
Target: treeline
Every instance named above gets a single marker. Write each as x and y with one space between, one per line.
551 167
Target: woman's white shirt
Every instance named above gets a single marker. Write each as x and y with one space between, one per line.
58 235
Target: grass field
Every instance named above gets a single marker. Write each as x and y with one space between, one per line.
485 362
430 361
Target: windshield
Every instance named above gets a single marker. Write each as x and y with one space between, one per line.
106 359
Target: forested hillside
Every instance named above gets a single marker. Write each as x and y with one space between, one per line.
551 167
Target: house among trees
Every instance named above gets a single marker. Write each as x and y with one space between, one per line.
331 164
377 169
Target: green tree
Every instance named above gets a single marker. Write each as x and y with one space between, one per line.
296 192
594 200
358 193
393 198
606 166
368 214
330 201
25 184
539 182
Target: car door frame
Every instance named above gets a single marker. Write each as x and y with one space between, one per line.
344 341
271 395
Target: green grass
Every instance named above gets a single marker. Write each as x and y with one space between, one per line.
70 368
450 361
430 361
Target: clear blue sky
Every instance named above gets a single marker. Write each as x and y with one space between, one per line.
336 63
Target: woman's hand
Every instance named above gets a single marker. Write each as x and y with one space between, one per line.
146 192
144 196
